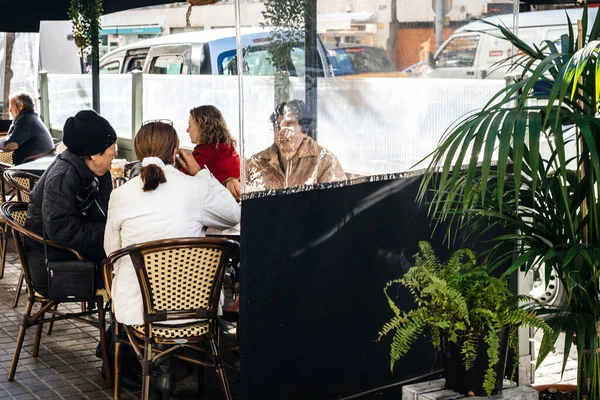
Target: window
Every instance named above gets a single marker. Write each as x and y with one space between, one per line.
135 63
169 65
357 59
459 52
110 68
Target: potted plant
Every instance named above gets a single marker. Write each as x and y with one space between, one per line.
548 198
472 318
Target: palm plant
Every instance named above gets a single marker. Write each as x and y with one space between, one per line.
548 202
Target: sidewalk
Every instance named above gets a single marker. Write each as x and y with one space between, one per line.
551 368
66 367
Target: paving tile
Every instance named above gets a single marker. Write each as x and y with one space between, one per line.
78 381
51 377
87 388
47 395
29 381
67 390
17 390
24 396
40 387
60 383
98 395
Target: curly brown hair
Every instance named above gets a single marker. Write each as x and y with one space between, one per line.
213 127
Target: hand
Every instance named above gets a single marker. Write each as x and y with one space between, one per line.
234 187
187 161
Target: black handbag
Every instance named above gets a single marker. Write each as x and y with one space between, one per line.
72 280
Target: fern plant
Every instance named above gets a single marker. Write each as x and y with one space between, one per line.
458 301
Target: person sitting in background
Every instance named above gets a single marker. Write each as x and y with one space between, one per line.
28 137
71 198
215 148
160 203
295 158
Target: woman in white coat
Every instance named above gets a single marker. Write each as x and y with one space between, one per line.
160 203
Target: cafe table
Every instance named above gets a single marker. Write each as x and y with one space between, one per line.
37 166
229 233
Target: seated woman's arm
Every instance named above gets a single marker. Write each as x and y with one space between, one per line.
218 208
234 187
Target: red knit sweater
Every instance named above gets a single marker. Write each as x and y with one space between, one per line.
223 161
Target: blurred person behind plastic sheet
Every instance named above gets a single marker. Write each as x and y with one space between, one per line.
28 137
215 148
71 198
161 203
294 158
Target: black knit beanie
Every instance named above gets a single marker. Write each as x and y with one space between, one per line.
87 133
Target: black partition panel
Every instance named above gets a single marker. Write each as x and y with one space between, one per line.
313 266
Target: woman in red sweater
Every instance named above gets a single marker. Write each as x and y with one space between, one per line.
215 148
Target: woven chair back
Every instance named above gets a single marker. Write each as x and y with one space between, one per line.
22 181
6 157
182 279
14 213
182 274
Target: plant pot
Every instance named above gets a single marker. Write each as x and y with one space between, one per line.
470 382
561 387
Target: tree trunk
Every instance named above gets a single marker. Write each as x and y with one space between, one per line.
392 42
8 73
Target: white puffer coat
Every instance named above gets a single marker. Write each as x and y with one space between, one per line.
181 207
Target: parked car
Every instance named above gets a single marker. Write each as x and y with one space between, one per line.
360 60
210 52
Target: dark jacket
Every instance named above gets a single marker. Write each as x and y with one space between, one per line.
32 136
74 203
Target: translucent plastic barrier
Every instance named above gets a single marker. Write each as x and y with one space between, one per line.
25 59
69 94
172 97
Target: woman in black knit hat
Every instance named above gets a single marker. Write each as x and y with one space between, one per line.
72 196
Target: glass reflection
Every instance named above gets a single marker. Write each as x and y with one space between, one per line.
294 158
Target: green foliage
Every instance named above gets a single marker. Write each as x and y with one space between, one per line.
287 19
85 17
459 301
547 198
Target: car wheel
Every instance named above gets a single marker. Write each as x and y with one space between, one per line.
552 295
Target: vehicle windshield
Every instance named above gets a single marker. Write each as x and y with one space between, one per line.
257 62
359 60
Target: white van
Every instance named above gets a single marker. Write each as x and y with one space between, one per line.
210 52
473 50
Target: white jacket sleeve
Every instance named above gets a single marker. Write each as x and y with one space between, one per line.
219 209
112 232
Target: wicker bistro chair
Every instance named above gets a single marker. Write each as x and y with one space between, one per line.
180 279
15 213
22 182
3 227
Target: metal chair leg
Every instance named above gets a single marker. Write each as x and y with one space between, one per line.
18 292
51 323
103 346
3 248
117 364
38 337
146 366
24 325
217 355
